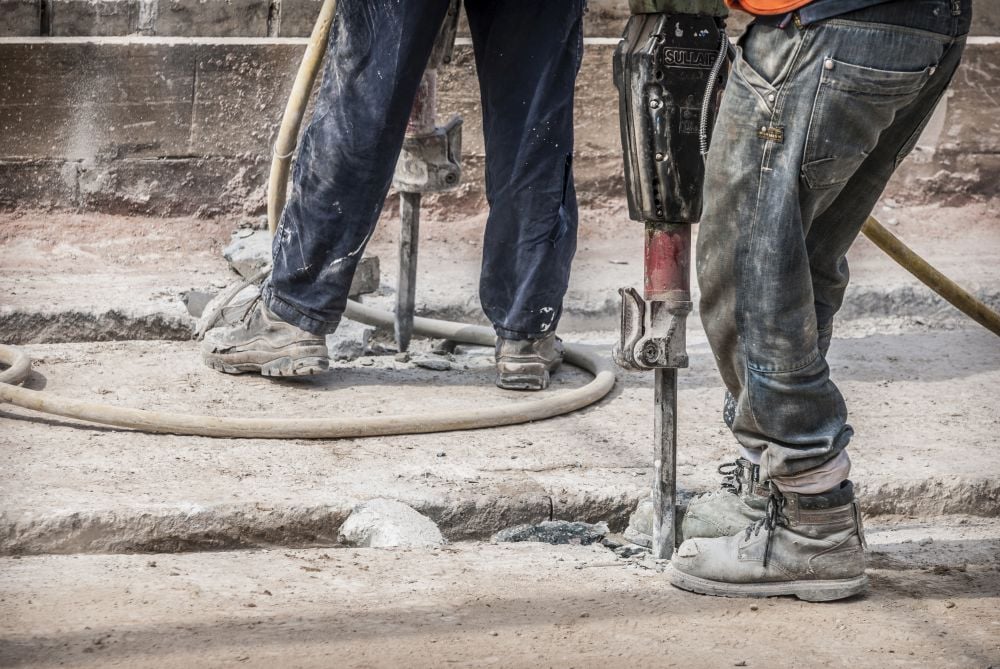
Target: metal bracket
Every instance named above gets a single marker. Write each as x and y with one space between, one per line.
431 163
652 333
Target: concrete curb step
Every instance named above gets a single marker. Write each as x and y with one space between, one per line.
183 528
18 326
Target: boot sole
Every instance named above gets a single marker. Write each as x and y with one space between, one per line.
523 381
284 366
809 591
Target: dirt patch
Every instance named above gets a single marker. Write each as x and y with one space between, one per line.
932 604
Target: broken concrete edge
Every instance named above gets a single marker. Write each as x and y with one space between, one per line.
19 327
183 528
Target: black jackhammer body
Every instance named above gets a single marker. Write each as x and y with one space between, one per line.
669 72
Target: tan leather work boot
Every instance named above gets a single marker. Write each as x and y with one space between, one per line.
527 364
739 501
809 546
265 344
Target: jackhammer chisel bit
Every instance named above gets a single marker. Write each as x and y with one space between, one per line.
430 162
666 69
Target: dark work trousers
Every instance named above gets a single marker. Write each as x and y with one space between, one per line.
527 57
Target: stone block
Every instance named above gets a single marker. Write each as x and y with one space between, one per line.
21 18
175 186
298 17
985 17
239 96
215 18
38 184
971 122
89 101
94 17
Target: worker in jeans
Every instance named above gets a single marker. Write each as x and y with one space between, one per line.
824 101
527 57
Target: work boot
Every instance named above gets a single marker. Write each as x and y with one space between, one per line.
809 546
265 344
526 364
740 500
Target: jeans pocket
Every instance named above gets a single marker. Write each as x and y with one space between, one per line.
753 81
853 106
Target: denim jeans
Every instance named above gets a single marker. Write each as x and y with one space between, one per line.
812 124
527 57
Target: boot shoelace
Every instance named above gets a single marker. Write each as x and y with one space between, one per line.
732 474
249 307
774 516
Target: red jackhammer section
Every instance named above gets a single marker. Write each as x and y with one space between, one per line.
667 262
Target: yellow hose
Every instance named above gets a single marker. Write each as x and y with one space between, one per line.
295 109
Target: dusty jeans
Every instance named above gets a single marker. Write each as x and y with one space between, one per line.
813 123
527 57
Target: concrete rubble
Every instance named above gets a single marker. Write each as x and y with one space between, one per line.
387 523
556 532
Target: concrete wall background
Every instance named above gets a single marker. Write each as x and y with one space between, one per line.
257 18
172 126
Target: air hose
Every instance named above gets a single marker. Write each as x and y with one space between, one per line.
548 405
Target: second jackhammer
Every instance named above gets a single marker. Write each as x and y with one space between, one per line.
668 69
430 162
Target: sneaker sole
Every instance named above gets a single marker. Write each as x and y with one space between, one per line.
809 591
284 366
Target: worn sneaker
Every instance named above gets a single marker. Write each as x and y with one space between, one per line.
265 344
809 546
740 500
526 364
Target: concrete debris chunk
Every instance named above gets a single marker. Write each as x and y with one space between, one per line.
388 523
554 532
348 342
630 551
247 253
435 363
197 300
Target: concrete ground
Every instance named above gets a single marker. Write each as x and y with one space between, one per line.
932 603
65 272
114 542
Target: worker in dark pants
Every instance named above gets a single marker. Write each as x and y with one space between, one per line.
527 57
822 104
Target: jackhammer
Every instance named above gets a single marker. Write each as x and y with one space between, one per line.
668 69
